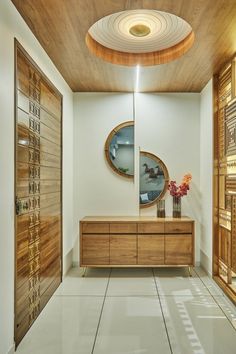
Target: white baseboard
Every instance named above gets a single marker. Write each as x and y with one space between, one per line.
67 262
75 264
11 350
206 263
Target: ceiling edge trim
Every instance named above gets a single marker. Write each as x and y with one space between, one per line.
144 59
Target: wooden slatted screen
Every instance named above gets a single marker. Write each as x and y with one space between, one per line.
224 257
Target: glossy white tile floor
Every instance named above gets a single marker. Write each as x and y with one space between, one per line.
135 311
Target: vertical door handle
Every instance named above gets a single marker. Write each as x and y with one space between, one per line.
18 205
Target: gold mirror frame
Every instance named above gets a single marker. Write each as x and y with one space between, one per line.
166 178
107 145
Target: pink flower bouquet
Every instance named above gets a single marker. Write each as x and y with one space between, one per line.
182 189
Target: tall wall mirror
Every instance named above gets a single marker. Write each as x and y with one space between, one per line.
154 179
119 149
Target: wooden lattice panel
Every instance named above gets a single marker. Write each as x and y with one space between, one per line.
228 202
225 219
221 134
230 110
223 167
233 234
230 184
224 200
230 129
223 244
224 93
228 167
222 192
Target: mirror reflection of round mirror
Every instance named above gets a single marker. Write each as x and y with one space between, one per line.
154 179
119 149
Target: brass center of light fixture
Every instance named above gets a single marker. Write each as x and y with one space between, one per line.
139 30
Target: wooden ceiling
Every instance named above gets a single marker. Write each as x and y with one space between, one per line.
61 27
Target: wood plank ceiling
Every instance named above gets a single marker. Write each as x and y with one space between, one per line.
61 26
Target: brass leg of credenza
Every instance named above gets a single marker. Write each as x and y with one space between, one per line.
83 271
190 271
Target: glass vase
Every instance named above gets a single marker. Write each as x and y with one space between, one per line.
176 207
161 213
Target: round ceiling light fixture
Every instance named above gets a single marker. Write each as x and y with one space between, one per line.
144 37
139 30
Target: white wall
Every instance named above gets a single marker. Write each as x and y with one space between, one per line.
166 125
12 25
99 190
206 174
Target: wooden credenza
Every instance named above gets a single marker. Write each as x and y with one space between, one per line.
136 241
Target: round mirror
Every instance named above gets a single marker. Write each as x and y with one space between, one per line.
154 179
119 149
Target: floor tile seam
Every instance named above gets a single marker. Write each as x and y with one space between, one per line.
213 283
193 295
163 316
220 307
203 282
99 320
78 295
154 279
124 296
205 286
231 322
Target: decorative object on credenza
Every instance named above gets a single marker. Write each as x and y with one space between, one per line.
161 213
153 179
176 207
119 149
177 192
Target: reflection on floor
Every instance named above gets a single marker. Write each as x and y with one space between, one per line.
135 311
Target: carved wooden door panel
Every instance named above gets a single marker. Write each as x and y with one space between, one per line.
38 218
224 235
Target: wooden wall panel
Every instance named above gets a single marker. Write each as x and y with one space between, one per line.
233 234
224 241
38 192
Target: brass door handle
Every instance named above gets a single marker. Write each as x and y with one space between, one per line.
21 205
18 205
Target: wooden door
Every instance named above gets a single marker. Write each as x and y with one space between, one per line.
37 190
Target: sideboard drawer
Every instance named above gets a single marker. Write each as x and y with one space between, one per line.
95 228
178 227
151 228
123 228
